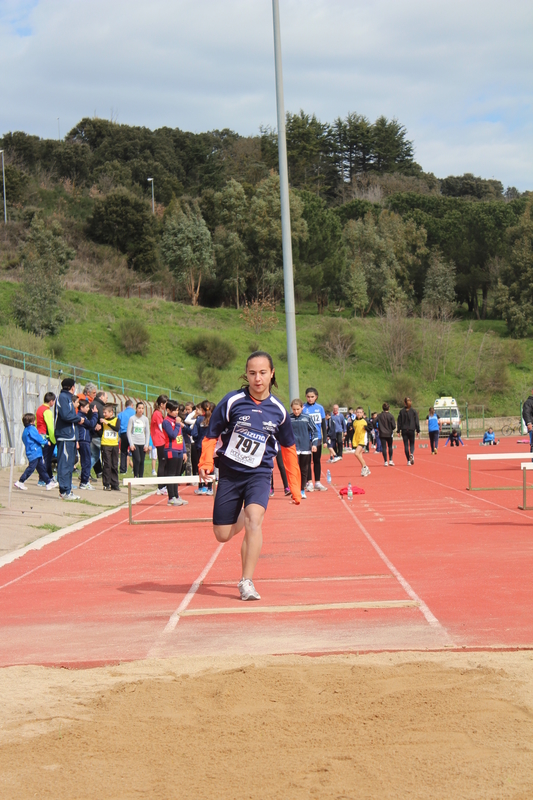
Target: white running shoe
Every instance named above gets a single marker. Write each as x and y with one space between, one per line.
304 496
248 590
319 487
52 485
86 486
154 473
386 463
70 496
391 463
177 501
309 487
164 490
366 472
20 485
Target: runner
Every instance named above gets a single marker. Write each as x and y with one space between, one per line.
360 430
245 432
318 415
408 425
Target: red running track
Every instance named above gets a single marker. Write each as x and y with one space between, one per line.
417 562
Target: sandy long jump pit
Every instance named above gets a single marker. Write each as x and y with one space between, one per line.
405 725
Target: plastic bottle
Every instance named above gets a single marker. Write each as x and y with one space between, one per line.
328 476
350 492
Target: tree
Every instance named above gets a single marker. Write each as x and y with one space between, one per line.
187 249
439 287
45 258
230 214
514 294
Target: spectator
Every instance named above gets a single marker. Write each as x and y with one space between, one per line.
306 437
408 425
97 408
87 424
34 443
387 426
45 426
175 452
123 418
109 448
338 431
527 416
489 438
66 422
188 409
138 434
330 439
198 433
158 438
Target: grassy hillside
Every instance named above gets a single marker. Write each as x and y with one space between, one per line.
482 365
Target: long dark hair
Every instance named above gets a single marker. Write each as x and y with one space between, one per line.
260 354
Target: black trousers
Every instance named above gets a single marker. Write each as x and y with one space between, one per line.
161 461
172 469
408 443
386 442
282 471
48 452
338 443
304 461
317 469
138 456
124 444
433 440
109 457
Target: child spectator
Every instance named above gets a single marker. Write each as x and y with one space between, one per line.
138 434
360 429
330 441
374 422
189 408
306 437
174 452
86 425
158 438
316 411
198 433
45 425
434 424
153 455
454 439
350 416
109 451
123 418
34 443
489 437
387 426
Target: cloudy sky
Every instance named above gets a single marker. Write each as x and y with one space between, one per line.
457 73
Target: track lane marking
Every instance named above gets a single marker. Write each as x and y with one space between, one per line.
248 608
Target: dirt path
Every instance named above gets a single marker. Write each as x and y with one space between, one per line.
414 725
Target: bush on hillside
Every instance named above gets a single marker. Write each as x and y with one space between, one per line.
336 342
207 378
18 339
401 387
134 337
212 349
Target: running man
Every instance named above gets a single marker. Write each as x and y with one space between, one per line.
245 432
318 415
408 425
360 430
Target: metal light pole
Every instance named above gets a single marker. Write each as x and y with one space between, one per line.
288 280
151 180
58 131
4 187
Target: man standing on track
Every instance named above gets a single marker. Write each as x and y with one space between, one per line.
318 415
527 416
408 425
338 431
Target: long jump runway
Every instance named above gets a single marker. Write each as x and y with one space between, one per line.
417 562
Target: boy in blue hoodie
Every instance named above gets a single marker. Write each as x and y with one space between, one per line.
34 443
86 425
306 437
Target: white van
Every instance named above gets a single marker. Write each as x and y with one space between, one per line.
447 411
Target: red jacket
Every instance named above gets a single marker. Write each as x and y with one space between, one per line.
156 429
173 433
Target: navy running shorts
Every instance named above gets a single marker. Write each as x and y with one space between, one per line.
235 489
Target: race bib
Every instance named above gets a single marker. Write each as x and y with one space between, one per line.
247 446
138 428
109 436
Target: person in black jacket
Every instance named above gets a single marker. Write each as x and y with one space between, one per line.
408 425
387 426
527 416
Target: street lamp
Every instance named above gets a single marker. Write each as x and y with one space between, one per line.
4 186
151 180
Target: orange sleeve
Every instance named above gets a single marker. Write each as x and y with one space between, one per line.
290 462
208 454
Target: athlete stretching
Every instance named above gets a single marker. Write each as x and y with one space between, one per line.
246 429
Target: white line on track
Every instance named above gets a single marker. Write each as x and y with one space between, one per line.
71 549
430 617
175 618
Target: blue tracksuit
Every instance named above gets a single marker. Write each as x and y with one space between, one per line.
34 442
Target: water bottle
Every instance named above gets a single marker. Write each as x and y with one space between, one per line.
350 492
328 476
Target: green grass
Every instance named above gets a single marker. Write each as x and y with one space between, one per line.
89 339
48 526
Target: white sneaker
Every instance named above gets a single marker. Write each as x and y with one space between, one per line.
70 496
20 485
177 501
391 463
366 472
51 485
164 490
154 473
304 496
319 487
248 590
386 463
309 487
86 486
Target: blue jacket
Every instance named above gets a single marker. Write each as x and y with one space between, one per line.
65 418
198 432
488 437
433 423
337 423
305 432
88 425
124 418
33 442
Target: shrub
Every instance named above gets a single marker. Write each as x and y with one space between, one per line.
336 342
212 349
134 337
19 339
207 378
401 387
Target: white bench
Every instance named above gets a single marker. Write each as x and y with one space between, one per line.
491 457
183 479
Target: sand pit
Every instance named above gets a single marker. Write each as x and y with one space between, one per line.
411 725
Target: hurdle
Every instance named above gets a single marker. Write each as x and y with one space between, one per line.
184 479
526 466
491 457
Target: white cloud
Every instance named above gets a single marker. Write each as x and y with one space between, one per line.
457 74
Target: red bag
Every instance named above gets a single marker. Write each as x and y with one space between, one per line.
355 489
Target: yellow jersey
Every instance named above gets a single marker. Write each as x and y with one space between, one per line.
359 430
